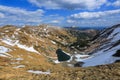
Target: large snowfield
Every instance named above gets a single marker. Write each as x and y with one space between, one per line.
103 56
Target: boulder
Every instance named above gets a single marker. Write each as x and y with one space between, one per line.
117 54
78 64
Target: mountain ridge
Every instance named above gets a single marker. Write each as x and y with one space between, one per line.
31 51
107 44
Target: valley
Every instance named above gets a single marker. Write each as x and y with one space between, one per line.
29 53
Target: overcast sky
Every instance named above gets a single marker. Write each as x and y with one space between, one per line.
82 13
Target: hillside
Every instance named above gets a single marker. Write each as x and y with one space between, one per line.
29 53
36 38
105 48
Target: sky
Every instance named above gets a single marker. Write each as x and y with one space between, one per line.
65 13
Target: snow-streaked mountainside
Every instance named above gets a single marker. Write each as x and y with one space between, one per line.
31 49
40 52
44 40
108 45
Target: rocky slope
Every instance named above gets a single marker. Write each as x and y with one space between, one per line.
104 49
24 50
29 53
83 37
41 39
22 45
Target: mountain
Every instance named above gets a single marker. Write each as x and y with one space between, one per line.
86 28
104 49
83 38
29 53
28 48
41 39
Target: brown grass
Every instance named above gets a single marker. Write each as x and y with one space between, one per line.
33 61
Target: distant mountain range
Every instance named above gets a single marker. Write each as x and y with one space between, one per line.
85 28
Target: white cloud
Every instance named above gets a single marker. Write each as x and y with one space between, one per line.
105 18
55 21
117 3
2 15
12 15
18 16
69 4
18 11
70 21
90 15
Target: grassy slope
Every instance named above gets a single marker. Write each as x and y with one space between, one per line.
33 61
106 72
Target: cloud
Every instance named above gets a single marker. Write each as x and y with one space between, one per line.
70 21
55 21
18 11
105 18
12 15
90 15
18 16
116 3
69 4
2 15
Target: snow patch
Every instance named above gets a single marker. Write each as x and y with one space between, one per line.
3 49
31 49
8 41
56 61
20 66
53 42
113 36
102 57
19 59
45 29
3 52
13 43
38 72
79 57
7 31
70 65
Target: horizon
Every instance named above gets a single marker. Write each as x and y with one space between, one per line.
84 13
66 27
